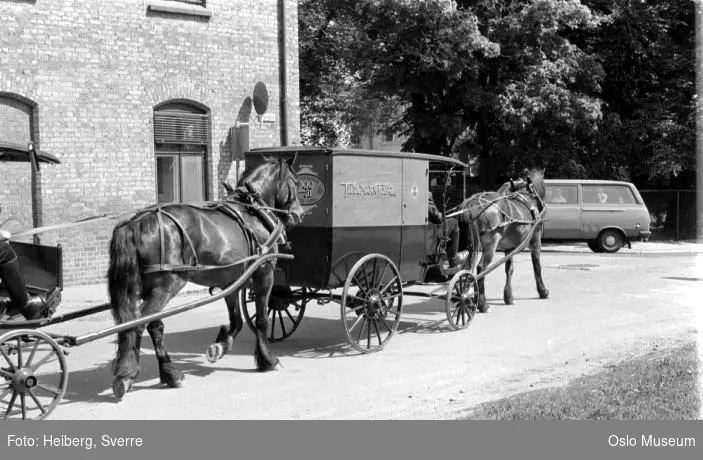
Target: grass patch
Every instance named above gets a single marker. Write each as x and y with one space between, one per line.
659 386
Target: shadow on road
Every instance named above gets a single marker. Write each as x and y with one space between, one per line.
316 338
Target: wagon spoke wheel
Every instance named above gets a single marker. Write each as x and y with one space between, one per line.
285 311
462 299
33 375
372 302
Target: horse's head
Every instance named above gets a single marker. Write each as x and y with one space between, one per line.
535 178
277 185
287 196
530 179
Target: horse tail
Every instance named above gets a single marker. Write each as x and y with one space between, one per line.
124 284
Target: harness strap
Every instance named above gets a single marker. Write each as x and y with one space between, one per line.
163 266
185 234
161 235
276 232
254 246
515 196
198 268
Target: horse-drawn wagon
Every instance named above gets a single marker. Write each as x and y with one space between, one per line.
366 232
365 238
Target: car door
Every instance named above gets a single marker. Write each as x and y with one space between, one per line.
563 217
609 205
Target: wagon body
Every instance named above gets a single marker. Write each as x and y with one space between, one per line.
357 202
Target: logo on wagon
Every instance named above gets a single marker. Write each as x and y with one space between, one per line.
311 189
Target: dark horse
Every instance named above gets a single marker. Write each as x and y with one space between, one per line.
501 221
147 251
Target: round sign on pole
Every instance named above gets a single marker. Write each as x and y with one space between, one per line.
261 98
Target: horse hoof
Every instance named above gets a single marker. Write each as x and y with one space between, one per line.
170 376
214 352
173 380
508 301
544 295
265 367
120 387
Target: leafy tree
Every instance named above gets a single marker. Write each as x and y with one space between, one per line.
325 82
584 88
336 106
540 95
648 56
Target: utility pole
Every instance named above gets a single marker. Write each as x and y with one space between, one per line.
699 120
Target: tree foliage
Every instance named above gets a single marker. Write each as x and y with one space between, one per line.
584 88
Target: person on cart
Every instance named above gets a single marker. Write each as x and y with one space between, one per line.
14 298
450 230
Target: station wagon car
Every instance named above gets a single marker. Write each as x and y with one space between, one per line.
605 214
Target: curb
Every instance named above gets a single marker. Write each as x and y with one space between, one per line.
578 250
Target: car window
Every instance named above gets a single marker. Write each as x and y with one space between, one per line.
608 194
562 194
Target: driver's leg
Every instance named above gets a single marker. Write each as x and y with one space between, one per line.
18 301
453 243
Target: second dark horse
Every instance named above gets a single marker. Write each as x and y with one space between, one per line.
172 237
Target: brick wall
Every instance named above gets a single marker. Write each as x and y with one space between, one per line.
87 76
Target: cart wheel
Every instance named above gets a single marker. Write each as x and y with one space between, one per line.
33 375
372 302
461 300
285 312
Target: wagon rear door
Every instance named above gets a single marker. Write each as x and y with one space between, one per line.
414 217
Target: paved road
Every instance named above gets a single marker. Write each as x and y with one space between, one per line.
601 308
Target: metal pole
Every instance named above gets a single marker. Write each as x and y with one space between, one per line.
678 212
37 220
283 69
699 120
75 341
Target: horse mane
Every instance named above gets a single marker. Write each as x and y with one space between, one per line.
251 171
253 174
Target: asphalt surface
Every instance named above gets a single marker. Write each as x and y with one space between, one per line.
602 308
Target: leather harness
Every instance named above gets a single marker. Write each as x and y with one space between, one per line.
229 207
514 194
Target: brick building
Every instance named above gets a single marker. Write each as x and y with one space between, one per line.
143 101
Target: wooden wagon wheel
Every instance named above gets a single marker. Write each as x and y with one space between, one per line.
33 375
372 302
285 311
461 300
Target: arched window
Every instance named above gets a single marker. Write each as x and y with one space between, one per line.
15 120
181 141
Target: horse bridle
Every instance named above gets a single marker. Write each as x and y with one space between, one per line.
526 184
287 178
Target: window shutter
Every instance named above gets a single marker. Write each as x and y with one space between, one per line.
181 128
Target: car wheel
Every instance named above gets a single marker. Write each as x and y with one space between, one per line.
610 241
593 246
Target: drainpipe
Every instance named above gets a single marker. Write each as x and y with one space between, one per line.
36 182
283 71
